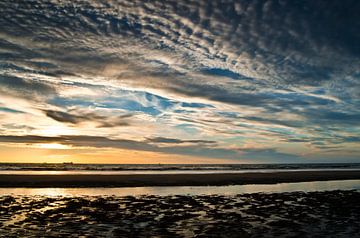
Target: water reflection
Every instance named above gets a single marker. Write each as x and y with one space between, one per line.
188 190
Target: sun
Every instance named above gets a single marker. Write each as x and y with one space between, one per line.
53 146
55 131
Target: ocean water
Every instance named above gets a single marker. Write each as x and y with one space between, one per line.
102 169
188 190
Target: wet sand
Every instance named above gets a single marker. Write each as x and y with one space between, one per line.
296 214
140 180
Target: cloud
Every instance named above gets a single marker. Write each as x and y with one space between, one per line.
165 140
266 155
199 148
79 117
104 142
19 87
264 72
265 39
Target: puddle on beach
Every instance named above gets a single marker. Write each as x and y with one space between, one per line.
189 190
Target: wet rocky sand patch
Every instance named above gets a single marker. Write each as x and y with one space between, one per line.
296 214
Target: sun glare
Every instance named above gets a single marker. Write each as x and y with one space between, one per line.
53 146
55 131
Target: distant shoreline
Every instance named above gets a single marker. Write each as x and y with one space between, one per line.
144 180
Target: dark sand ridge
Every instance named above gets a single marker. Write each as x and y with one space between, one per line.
139 180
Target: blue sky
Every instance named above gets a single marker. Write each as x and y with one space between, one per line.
200 81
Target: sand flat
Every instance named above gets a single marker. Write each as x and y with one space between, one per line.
297 214
172 179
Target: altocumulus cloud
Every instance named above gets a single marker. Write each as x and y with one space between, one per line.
277 74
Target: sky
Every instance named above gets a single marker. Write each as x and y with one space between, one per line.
175 81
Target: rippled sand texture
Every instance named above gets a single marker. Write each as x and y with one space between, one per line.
327 214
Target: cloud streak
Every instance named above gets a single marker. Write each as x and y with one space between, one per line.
76 118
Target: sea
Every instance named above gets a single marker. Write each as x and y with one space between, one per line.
114 169
119 169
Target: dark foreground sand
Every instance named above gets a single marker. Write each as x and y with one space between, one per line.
297 214
172 179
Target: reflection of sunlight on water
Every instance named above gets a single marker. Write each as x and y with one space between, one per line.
52 192
188 190
14 219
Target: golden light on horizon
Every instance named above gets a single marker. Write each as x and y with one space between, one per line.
53 146
59 153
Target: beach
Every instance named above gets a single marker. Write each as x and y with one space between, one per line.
247 204
296 214
141 180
